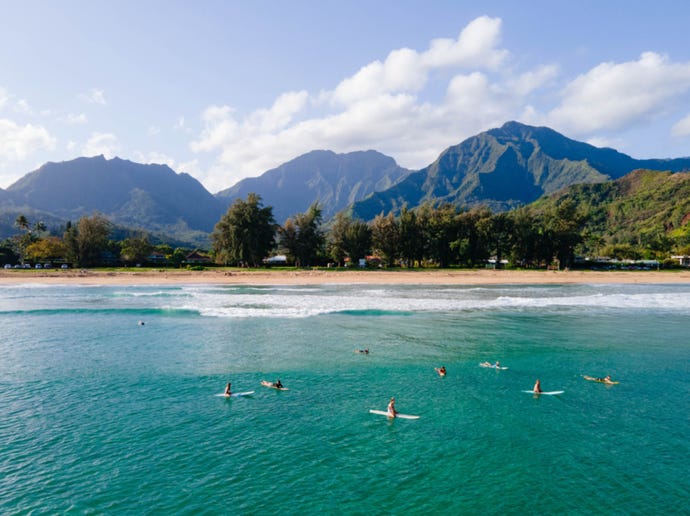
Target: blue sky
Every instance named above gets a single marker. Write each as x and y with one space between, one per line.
224 90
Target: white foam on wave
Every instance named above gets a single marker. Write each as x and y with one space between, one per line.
295 303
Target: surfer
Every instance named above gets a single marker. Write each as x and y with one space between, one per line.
278 384
391 408
441 370
537 387
228 392
363 351
497 364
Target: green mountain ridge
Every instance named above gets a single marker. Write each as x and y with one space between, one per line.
506 168
645 208
333 180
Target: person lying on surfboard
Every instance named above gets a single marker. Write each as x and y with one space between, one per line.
537 386
391 407
606 379
228 392
364 351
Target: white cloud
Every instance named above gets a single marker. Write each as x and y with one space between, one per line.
474 47
158 158
393 105
93 96
22 106
17 142
682 127
378 107
101 143
614 96
4 97
74 119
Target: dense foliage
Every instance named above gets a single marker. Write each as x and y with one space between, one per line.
644 215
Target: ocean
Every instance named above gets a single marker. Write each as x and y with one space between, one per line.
100 414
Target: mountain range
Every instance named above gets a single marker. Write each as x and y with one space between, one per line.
502 168
508 167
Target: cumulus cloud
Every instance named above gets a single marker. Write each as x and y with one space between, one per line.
74 119
94 96
17 142
396 105
613 96
682 127
106 144
378 107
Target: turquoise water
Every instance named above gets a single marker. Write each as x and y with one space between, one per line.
101 415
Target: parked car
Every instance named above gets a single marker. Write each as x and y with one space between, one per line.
8 266
39 266
64 266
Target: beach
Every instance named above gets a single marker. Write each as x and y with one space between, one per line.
324 277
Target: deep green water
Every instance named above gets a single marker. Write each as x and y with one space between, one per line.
101 415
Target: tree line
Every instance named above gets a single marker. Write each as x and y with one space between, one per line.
431 235
86 243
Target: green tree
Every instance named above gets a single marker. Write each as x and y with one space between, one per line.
31 235
358 240
87 240
441 231
245 234
385 238
348 238
302 237
565 226
337 237
46 249
497 231
135 249
411 244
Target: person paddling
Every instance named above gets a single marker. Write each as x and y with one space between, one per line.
391 408
537 387
228 391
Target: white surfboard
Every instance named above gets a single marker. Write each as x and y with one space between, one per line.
548 393
398 415
271 386
235 394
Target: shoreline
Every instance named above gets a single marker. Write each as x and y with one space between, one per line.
319 277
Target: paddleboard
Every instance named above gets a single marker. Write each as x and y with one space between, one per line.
398 415
548 393
235 394
600 380
492 366
270 385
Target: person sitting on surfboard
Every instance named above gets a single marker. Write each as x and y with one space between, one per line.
227 390
278 385
441 370
391 407
537 386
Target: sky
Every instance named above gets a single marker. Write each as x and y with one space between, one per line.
226 89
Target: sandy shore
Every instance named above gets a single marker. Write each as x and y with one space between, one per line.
315 277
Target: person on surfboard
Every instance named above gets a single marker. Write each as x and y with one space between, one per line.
537 387
278 384
228 392
441 370
391 408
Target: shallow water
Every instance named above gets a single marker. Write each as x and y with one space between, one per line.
102 415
